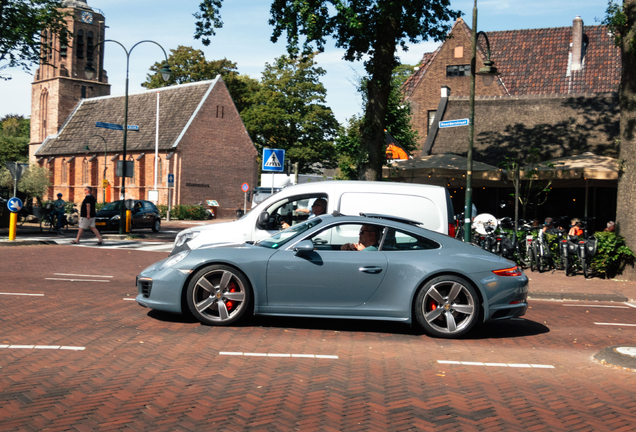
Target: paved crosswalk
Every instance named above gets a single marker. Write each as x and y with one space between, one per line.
140 245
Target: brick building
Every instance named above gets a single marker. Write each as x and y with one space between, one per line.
201 138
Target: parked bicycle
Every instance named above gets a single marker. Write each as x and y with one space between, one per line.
574 248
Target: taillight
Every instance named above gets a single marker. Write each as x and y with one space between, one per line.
451 230
512 271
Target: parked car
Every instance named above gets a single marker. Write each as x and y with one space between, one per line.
412 275
429 205
144 215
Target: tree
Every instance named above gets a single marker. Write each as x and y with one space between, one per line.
289 112
189 65
14 139
621 21
363 28
397 123
34 182
22 25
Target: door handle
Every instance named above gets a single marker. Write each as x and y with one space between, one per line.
370 269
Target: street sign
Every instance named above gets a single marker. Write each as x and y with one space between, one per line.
212 203
104 183
16 169
273 160
453 123
115 126
170 180
245 187
14 204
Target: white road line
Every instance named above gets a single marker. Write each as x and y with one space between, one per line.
21 294
129 298
598 306
630 305
48 347
512 365
78 280
318 356
617 324
69 274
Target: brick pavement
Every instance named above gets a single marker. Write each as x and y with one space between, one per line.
143 370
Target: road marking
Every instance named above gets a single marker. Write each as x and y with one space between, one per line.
130 299
318 356
599 306
617 324
630 305
78 280
21 294
68 274
49 347
512 365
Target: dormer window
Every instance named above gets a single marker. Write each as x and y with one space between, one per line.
458 70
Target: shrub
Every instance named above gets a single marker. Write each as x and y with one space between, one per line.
184 212
612 254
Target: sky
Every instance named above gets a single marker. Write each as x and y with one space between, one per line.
245 40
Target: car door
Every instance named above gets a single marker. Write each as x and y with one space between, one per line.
325 278
138 215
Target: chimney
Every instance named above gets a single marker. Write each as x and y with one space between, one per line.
577 43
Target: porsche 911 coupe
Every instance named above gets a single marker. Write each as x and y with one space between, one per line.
371 267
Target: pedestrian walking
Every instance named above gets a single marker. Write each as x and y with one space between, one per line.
87 216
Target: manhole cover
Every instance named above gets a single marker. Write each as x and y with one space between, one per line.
630 351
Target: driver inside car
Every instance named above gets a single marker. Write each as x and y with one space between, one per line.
318 208
369 239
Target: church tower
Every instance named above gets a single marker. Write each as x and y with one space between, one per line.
61 84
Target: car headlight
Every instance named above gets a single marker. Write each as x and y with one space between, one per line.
185 237
114 218
175 259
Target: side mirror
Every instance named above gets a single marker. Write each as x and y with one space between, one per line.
304 247
263 220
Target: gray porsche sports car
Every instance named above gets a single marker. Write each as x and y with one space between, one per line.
369 267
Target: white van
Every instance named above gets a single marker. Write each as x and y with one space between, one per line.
429 205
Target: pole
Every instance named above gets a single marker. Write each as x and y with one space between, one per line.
122 210
13 224
517 181
169 200
157 142
468 204
245 204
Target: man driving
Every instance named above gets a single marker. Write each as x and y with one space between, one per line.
369 239
317 208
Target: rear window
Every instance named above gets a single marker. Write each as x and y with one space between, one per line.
414 207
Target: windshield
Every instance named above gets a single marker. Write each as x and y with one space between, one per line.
279 239
112 206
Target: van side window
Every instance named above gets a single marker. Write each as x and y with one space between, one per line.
396 240
291 210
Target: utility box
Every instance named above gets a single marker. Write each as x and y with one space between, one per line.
130 168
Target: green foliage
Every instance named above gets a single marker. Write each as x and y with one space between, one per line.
183 212
14 139
189 65
289 112
612 254
363 28
348 149
34 182
617 23
22 23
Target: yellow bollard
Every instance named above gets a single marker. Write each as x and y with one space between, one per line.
128 221
13 225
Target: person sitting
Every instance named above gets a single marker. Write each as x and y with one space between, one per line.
611 227
575 227
318 207
59 210
369 239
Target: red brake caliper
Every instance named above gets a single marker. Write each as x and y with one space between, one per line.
229 304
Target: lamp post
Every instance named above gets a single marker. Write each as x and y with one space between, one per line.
105 152
487 73
165 74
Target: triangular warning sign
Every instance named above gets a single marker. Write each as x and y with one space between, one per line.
273 161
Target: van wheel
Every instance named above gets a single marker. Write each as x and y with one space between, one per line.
447 307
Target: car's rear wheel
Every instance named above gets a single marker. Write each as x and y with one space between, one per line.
218 295
156 225
447 307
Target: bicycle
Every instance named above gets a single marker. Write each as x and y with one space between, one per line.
48 222
584 250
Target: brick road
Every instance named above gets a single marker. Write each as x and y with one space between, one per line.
142 370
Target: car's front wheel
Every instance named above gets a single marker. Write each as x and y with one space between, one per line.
219 295
156 225
447 307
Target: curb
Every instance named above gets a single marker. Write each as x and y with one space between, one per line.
611 356
27 243
577 296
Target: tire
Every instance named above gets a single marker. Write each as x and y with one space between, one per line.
437 309
156 225
219 295
45 225
534 263
566 265
21 219
586 268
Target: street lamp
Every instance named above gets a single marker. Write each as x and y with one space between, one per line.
488 73
105 152
165 74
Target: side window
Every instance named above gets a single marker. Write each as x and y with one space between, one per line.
396 240
335 237
292 210
148 206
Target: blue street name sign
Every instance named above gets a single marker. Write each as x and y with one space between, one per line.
273 160
453 123
170 180
114 126
14 204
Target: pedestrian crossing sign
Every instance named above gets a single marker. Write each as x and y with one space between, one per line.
273 160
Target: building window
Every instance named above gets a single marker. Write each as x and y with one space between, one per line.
85 172
79 41
160 172
63 43
83 92
431 118
458 70
44 110
459 52
64 172
89 46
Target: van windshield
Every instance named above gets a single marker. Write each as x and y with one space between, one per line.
285 236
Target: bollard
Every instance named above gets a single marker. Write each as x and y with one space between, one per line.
13 225
128 221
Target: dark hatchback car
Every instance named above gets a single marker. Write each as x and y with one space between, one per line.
144 215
